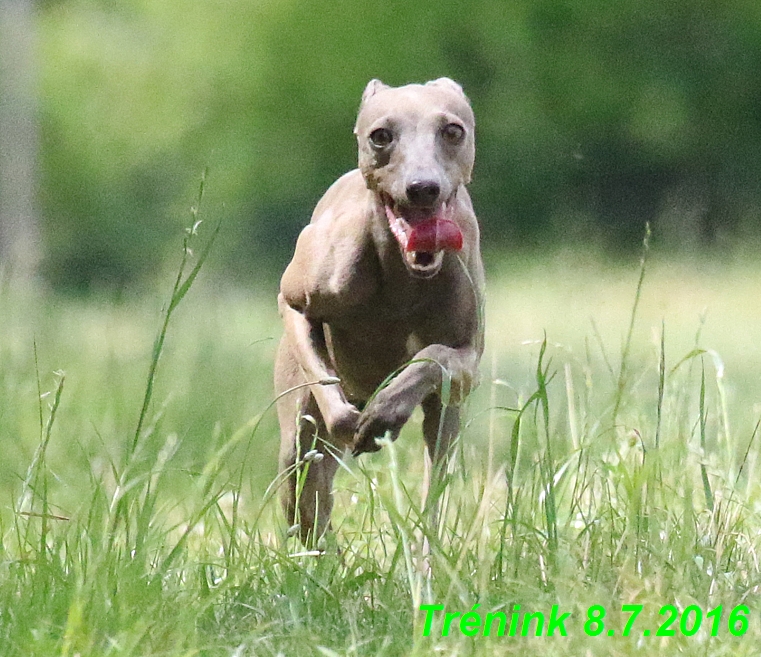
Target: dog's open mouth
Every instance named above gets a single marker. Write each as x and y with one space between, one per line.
424 235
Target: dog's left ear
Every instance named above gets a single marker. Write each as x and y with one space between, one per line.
447 82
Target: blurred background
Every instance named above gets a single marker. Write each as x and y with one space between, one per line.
593 118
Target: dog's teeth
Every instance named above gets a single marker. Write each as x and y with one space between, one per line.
397 228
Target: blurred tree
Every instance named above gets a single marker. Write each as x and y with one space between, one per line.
593 117
19 232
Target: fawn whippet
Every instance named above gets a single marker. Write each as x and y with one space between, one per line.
385 285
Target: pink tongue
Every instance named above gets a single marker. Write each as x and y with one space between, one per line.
435 235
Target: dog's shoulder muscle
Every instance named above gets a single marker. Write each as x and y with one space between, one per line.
334 266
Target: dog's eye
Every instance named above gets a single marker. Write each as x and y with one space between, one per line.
381 137
453 133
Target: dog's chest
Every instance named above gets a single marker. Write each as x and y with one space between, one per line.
368 346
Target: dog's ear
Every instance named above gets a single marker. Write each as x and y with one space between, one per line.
447 82
372 88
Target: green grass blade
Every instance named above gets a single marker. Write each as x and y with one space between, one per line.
707 492
623 370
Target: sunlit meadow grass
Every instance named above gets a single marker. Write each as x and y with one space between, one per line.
598 466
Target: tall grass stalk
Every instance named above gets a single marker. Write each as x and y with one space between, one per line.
623 369
181 287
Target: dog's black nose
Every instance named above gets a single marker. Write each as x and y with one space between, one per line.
423 192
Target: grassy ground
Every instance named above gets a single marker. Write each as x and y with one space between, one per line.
599 466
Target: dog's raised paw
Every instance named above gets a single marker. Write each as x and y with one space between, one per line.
365 444
382 418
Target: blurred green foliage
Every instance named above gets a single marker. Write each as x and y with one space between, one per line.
593 117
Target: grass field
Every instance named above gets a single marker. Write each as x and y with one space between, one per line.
609 458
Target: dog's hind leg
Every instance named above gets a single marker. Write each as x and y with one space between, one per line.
441 424
306 460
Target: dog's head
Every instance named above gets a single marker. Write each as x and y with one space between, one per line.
416 148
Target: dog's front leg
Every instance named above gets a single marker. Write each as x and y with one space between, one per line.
307 341
447 372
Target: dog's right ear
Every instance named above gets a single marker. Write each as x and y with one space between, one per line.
372 88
